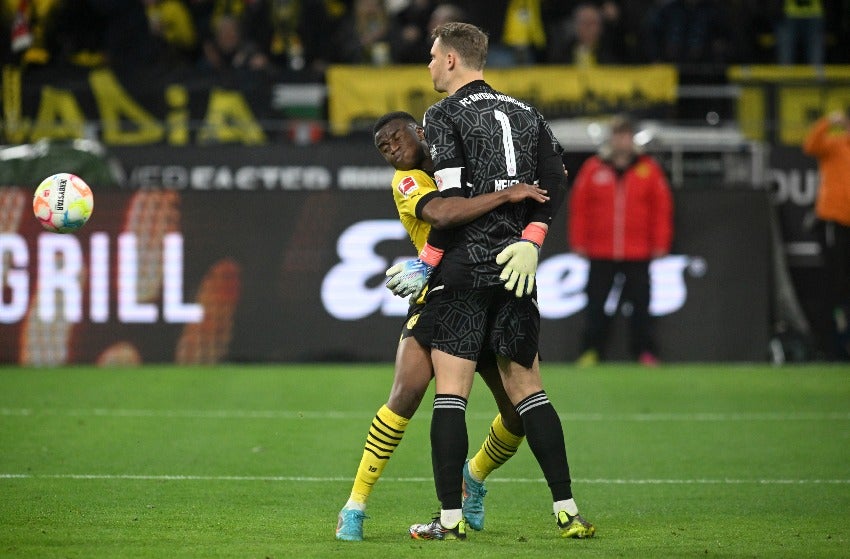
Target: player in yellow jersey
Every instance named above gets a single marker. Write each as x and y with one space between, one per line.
401 141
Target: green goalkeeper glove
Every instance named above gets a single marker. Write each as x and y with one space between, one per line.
408 278
520 260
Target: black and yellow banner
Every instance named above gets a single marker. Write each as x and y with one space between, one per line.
778 104
358 95
136 108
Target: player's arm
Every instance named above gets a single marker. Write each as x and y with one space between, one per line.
553 180
519 259
551 176
447 212
408 278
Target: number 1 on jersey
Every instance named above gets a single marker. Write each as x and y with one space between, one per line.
507 142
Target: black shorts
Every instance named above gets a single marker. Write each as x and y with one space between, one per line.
420 321
420 318
469 322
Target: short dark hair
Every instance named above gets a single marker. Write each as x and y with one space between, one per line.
389 117
469 41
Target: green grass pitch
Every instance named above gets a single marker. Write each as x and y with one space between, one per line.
733 461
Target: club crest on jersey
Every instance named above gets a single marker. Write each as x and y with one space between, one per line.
407 186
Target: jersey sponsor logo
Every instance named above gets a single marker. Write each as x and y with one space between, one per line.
349 290
407 185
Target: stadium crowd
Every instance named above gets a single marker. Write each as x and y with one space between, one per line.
298 39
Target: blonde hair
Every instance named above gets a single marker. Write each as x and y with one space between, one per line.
469 41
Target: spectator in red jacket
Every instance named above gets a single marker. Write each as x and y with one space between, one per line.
620 219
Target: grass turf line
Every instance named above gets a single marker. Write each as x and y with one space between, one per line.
683 461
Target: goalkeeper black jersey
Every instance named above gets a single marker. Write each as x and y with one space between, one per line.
482 141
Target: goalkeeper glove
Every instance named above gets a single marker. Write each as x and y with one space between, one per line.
520 260
408 278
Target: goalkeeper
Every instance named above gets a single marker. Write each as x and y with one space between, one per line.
480 140
401 142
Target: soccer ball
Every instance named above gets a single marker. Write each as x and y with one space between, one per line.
63 203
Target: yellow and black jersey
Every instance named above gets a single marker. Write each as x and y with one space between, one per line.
409 187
